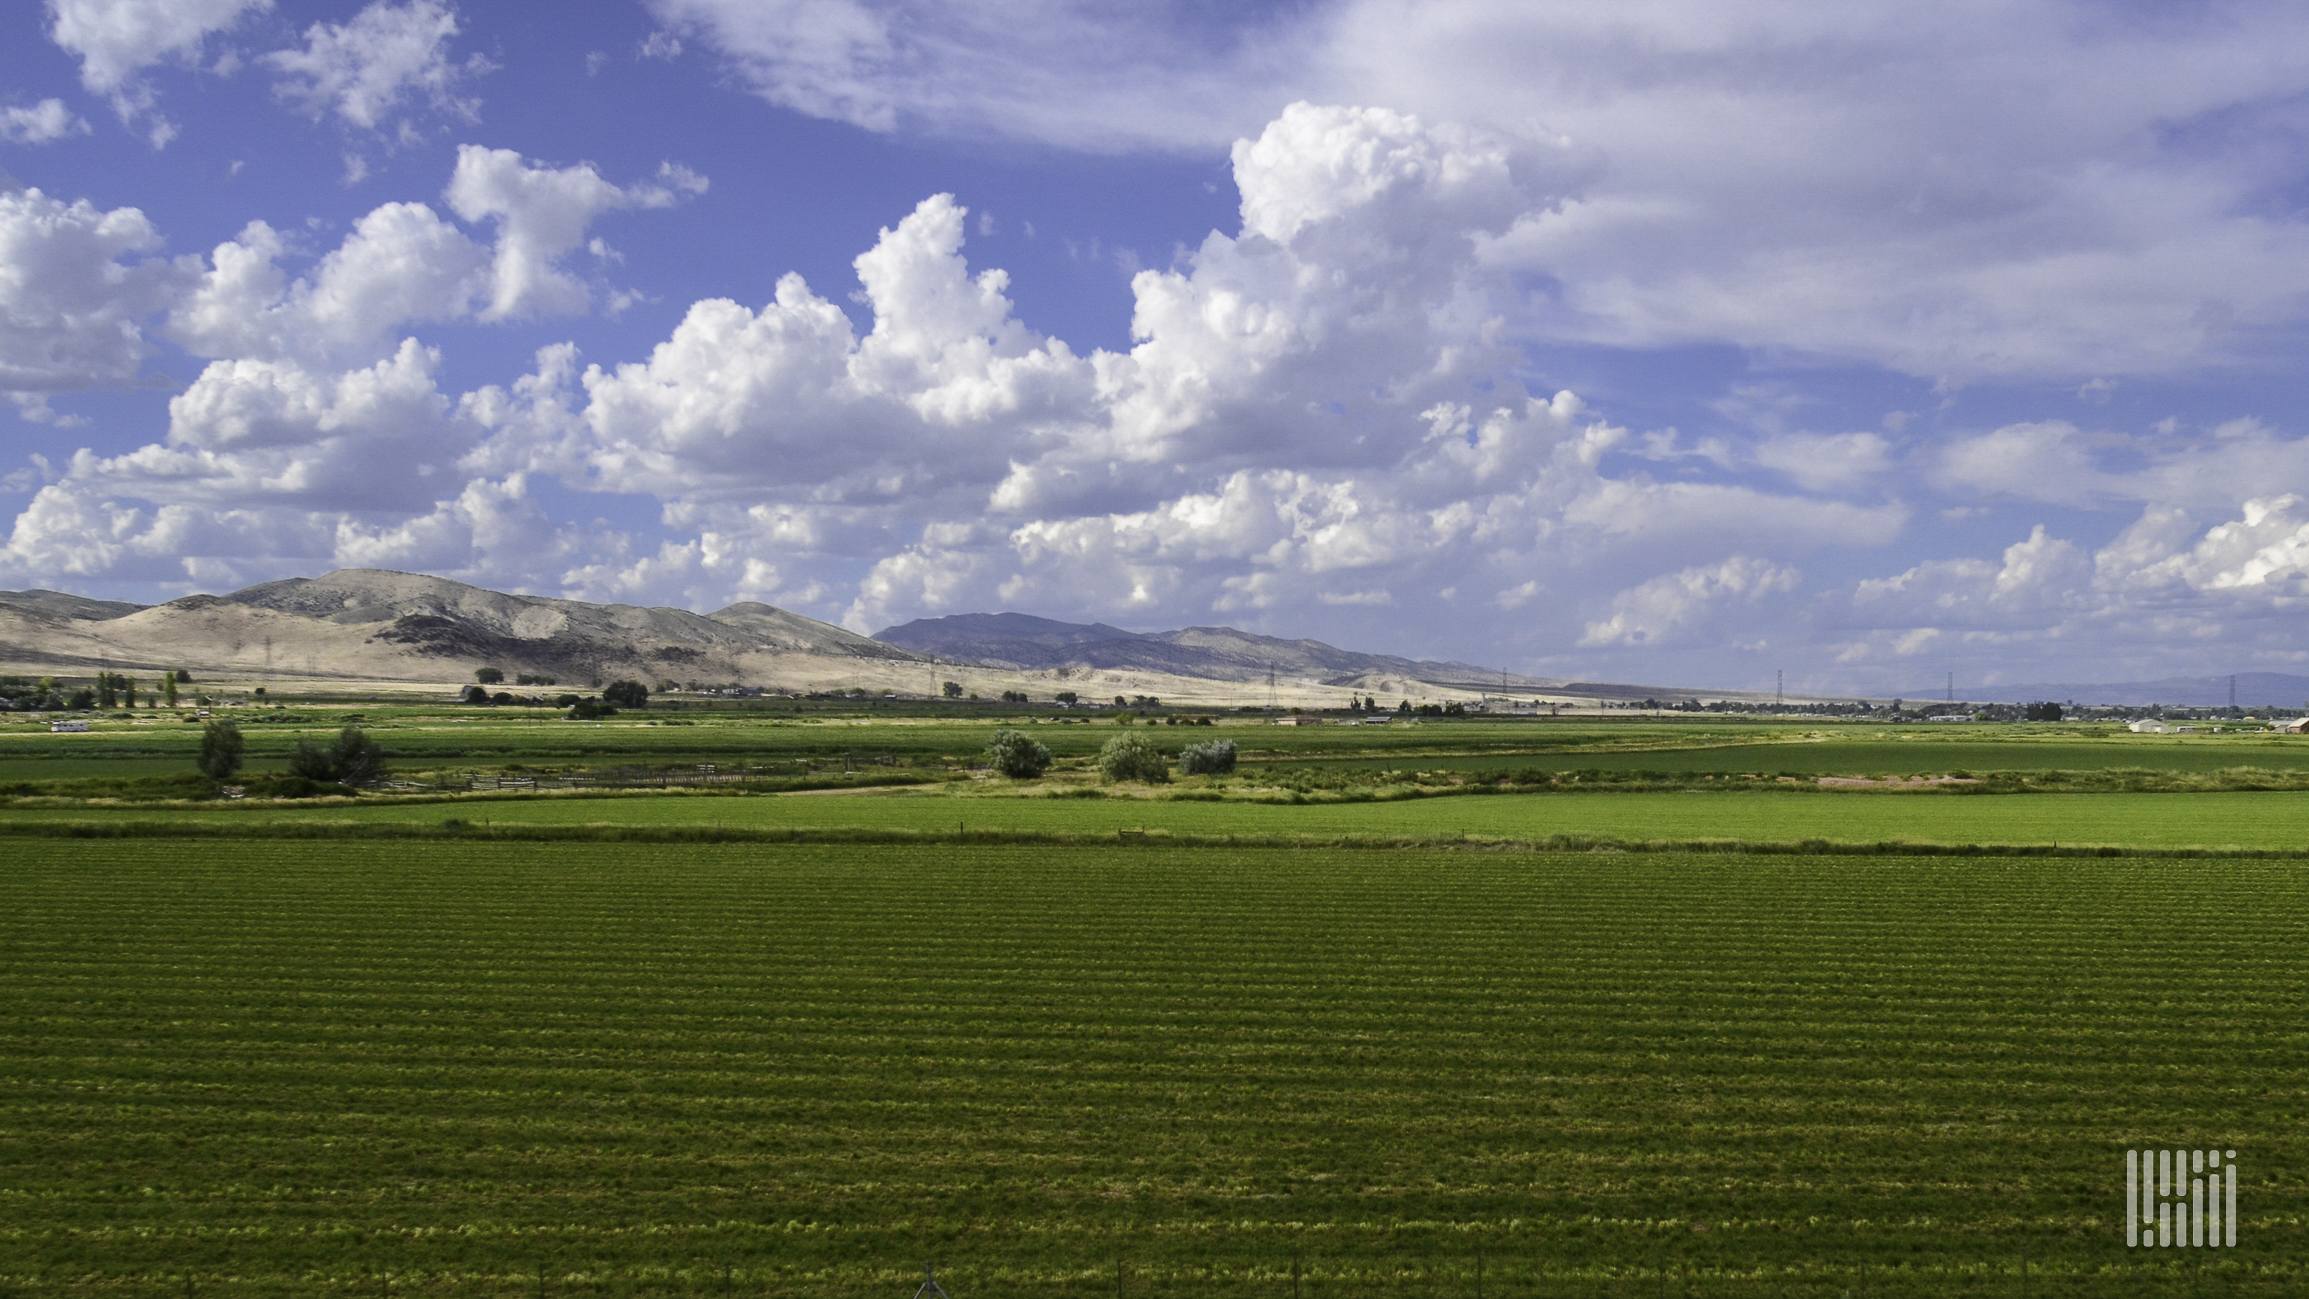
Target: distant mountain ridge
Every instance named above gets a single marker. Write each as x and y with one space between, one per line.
2254 690
377 623
1018 640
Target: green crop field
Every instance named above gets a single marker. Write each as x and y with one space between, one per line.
485 1069
1419 1052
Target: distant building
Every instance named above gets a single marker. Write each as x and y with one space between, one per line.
60 727
2298 726
1297 721
2150 726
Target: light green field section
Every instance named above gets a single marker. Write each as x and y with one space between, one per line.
2251 820
439 1069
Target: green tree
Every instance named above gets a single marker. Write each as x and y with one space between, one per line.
358 759
951 689
1210 758
625 694
107 694
1018 755
1133 757
220 749
168 688
350 759
1066 696
489 676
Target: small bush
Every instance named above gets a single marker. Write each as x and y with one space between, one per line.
1133 757
489 676
586 710
1210 758
1018 755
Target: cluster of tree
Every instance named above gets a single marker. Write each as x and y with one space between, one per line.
2041 711
533 679
1139 701
1015 697
1452 709
351 759
1186 721
1067 697
951 689
109 690
26 694
1363 703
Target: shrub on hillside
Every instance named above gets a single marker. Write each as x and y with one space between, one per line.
1133 757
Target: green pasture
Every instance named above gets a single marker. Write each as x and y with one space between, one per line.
244 1069
492 739
2276 820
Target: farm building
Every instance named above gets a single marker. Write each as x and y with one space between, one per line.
2150 726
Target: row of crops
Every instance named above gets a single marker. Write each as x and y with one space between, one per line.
504 1069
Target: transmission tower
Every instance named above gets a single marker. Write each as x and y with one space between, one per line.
1780 688
1952 687
1271 703
930 1284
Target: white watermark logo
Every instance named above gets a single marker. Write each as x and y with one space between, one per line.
2180 1199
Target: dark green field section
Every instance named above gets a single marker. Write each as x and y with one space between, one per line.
2272 821
348 1068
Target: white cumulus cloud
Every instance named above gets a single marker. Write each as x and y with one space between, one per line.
118 39
73 297
363 70
44 123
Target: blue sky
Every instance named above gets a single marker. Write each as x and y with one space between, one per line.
1662 341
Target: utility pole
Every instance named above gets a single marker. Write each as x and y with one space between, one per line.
2232 692
1780 688
1952 687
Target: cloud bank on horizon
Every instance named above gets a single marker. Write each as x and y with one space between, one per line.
1656 341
